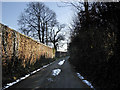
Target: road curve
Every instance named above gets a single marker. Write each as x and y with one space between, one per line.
66 78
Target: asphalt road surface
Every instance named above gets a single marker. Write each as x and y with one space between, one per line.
67 78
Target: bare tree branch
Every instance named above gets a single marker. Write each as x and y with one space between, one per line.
37 18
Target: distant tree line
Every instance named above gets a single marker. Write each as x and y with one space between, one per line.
39 22
95 42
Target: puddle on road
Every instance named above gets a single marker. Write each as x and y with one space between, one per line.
55 72
61 62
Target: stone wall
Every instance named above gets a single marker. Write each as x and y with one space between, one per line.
15 44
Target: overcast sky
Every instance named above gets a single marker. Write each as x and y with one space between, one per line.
12 10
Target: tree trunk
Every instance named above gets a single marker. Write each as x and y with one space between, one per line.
46 34
55 47
39 29
43 29
87 14
39 35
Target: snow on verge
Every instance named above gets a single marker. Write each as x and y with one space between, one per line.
22 78
79 75
85 81
55 72
61 62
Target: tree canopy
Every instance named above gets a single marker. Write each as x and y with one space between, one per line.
39 22
95 42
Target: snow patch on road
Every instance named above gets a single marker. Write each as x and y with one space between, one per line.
22 78
55 72
50 79
85 81
61 62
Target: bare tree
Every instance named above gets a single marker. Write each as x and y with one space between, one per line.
55 36
36 21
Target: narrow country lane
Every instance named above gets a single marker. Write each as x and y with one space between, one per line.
45 78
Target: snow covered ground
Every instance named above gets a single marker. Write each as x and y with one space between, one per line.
55 72
61 62
85 81
79 75
22 78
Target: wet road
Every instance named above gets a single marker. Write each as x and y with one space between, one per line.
66 78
